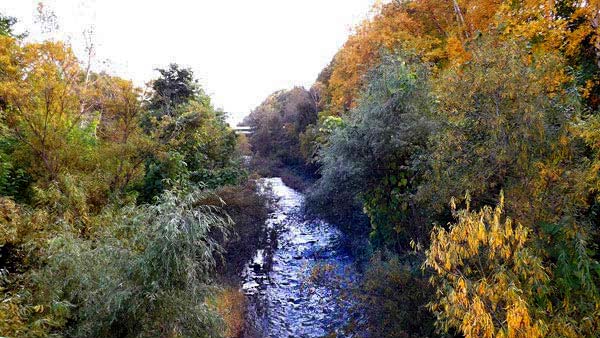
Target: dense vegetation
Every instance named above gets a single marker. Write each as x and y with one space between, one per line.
455 143
276 143
113 214
457 148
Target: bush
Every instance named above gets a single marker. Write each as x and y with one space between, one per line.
231 306
372 160
492 282
150 275
393 296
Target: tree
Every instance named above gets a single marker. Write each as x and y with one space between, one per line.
124 146
505 118
174 87
6 25
47 108
373 157
568 26
194 142
394 297
435 29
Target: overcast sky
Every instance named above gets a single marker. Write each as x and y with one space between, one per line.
240 50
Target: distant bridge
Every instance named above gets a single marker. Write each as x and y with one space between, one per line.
246 130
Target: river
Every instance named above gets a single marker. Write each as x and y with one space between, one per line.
283 299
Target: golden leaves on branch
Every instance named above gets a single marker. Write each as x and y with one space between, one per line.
485 275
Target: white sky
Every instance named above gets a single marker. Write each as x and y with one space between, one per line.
240 50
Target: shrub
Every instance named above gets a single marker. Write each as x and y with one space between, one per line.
150 275
393 296
231 306
492 282
372 161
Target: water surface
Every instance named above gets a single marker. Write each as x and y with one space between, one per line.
283 299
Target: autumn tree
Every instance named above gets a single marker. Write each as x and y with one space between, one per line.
46 105
505 118
436 30
124 146
571 27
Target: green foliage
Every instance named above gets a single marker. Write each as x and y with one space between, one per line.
497 110
278 123
6 25
148 275
573 291
174 87
160 174
372 158
316 135
14 179
394 297
78 149
505 119
504 127
195 143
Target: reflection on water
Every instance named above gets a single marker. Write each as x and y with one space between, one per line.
282 300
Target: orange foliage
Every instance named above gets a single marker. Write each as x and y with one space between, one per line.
432 28
231 305
439 31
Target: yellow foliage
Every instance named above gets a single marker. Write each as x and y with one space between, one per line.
231 305
589 130
124 146
10 221
435 29
485 276
45 100
491 284
440 30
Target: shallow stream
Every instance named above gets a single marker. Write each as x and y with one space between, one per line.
283 299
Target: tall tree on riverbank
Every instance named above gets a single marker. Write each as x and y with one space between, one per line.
195 142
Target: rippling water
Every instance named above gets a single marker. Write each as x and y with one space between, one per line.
283 302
